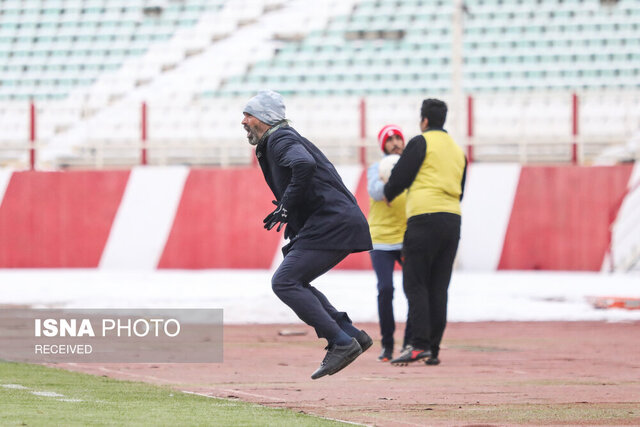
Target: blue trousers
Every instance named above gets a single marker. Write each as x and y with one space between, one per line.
383 263
292 284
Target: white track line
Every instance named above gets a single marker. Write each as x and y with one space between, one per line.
40 393
150 377
47 394
15 386
258 395
230 402
261 396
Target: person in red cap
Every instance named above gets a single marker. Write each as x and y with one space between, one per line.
387 224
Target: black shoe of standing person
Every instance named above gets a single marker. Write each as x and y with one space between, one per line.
410 355
364 340
337 358
432 360
386 354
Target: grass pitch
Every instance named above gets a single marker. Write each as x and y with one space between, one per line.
36 395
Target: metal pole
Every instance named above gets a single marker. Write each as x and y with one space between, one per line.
574 129
143 130
456 67
363 132
469 129
32 136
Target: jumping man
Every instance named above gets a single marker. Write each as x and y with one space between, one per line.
322 222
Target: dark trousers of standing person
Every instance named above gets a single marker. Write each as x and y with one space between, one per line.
291 283
383 263
430 246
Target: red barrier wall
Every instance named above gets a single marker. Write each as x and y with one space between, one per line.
560 217
219 222
559 221
58 219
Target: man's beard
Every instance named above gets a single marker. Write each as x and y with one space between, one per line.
251 136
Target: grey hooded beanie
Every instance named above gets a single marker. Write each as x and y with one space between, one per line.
267 106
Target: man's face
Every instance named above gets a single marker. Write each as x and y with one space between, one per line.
394 145
254 127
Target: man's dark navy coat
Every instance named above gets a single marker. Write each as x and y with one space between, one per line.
323 214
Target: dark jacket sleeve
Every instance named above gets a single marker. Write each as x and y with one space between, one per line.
464 178
405 171
291 154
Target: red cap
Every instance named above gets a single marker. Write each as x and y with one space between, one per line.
386 132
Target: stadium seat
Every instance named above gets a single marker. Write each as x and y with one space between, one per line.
96 57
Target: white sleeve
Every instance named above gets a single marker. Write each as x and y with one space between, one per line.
375 186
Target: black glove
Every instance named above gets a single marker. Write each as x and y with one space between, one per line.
279 215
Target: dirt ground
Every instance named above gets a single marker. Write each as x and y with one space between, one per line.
492 373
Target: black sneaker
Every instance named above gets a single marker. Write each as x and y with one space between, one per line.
410 355
386 354
337 357
432 360
364 340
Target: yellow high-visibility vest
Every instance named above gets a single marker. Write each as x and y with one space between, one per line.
387 224
438 185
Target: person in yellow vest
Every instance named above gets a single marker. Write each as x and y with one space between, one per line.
433 169
387 225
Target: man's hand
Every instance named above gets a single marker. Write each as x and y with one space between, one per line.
279 215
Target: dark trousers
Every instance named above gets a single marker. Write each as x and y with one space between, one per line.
383 263
430 246
291 283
